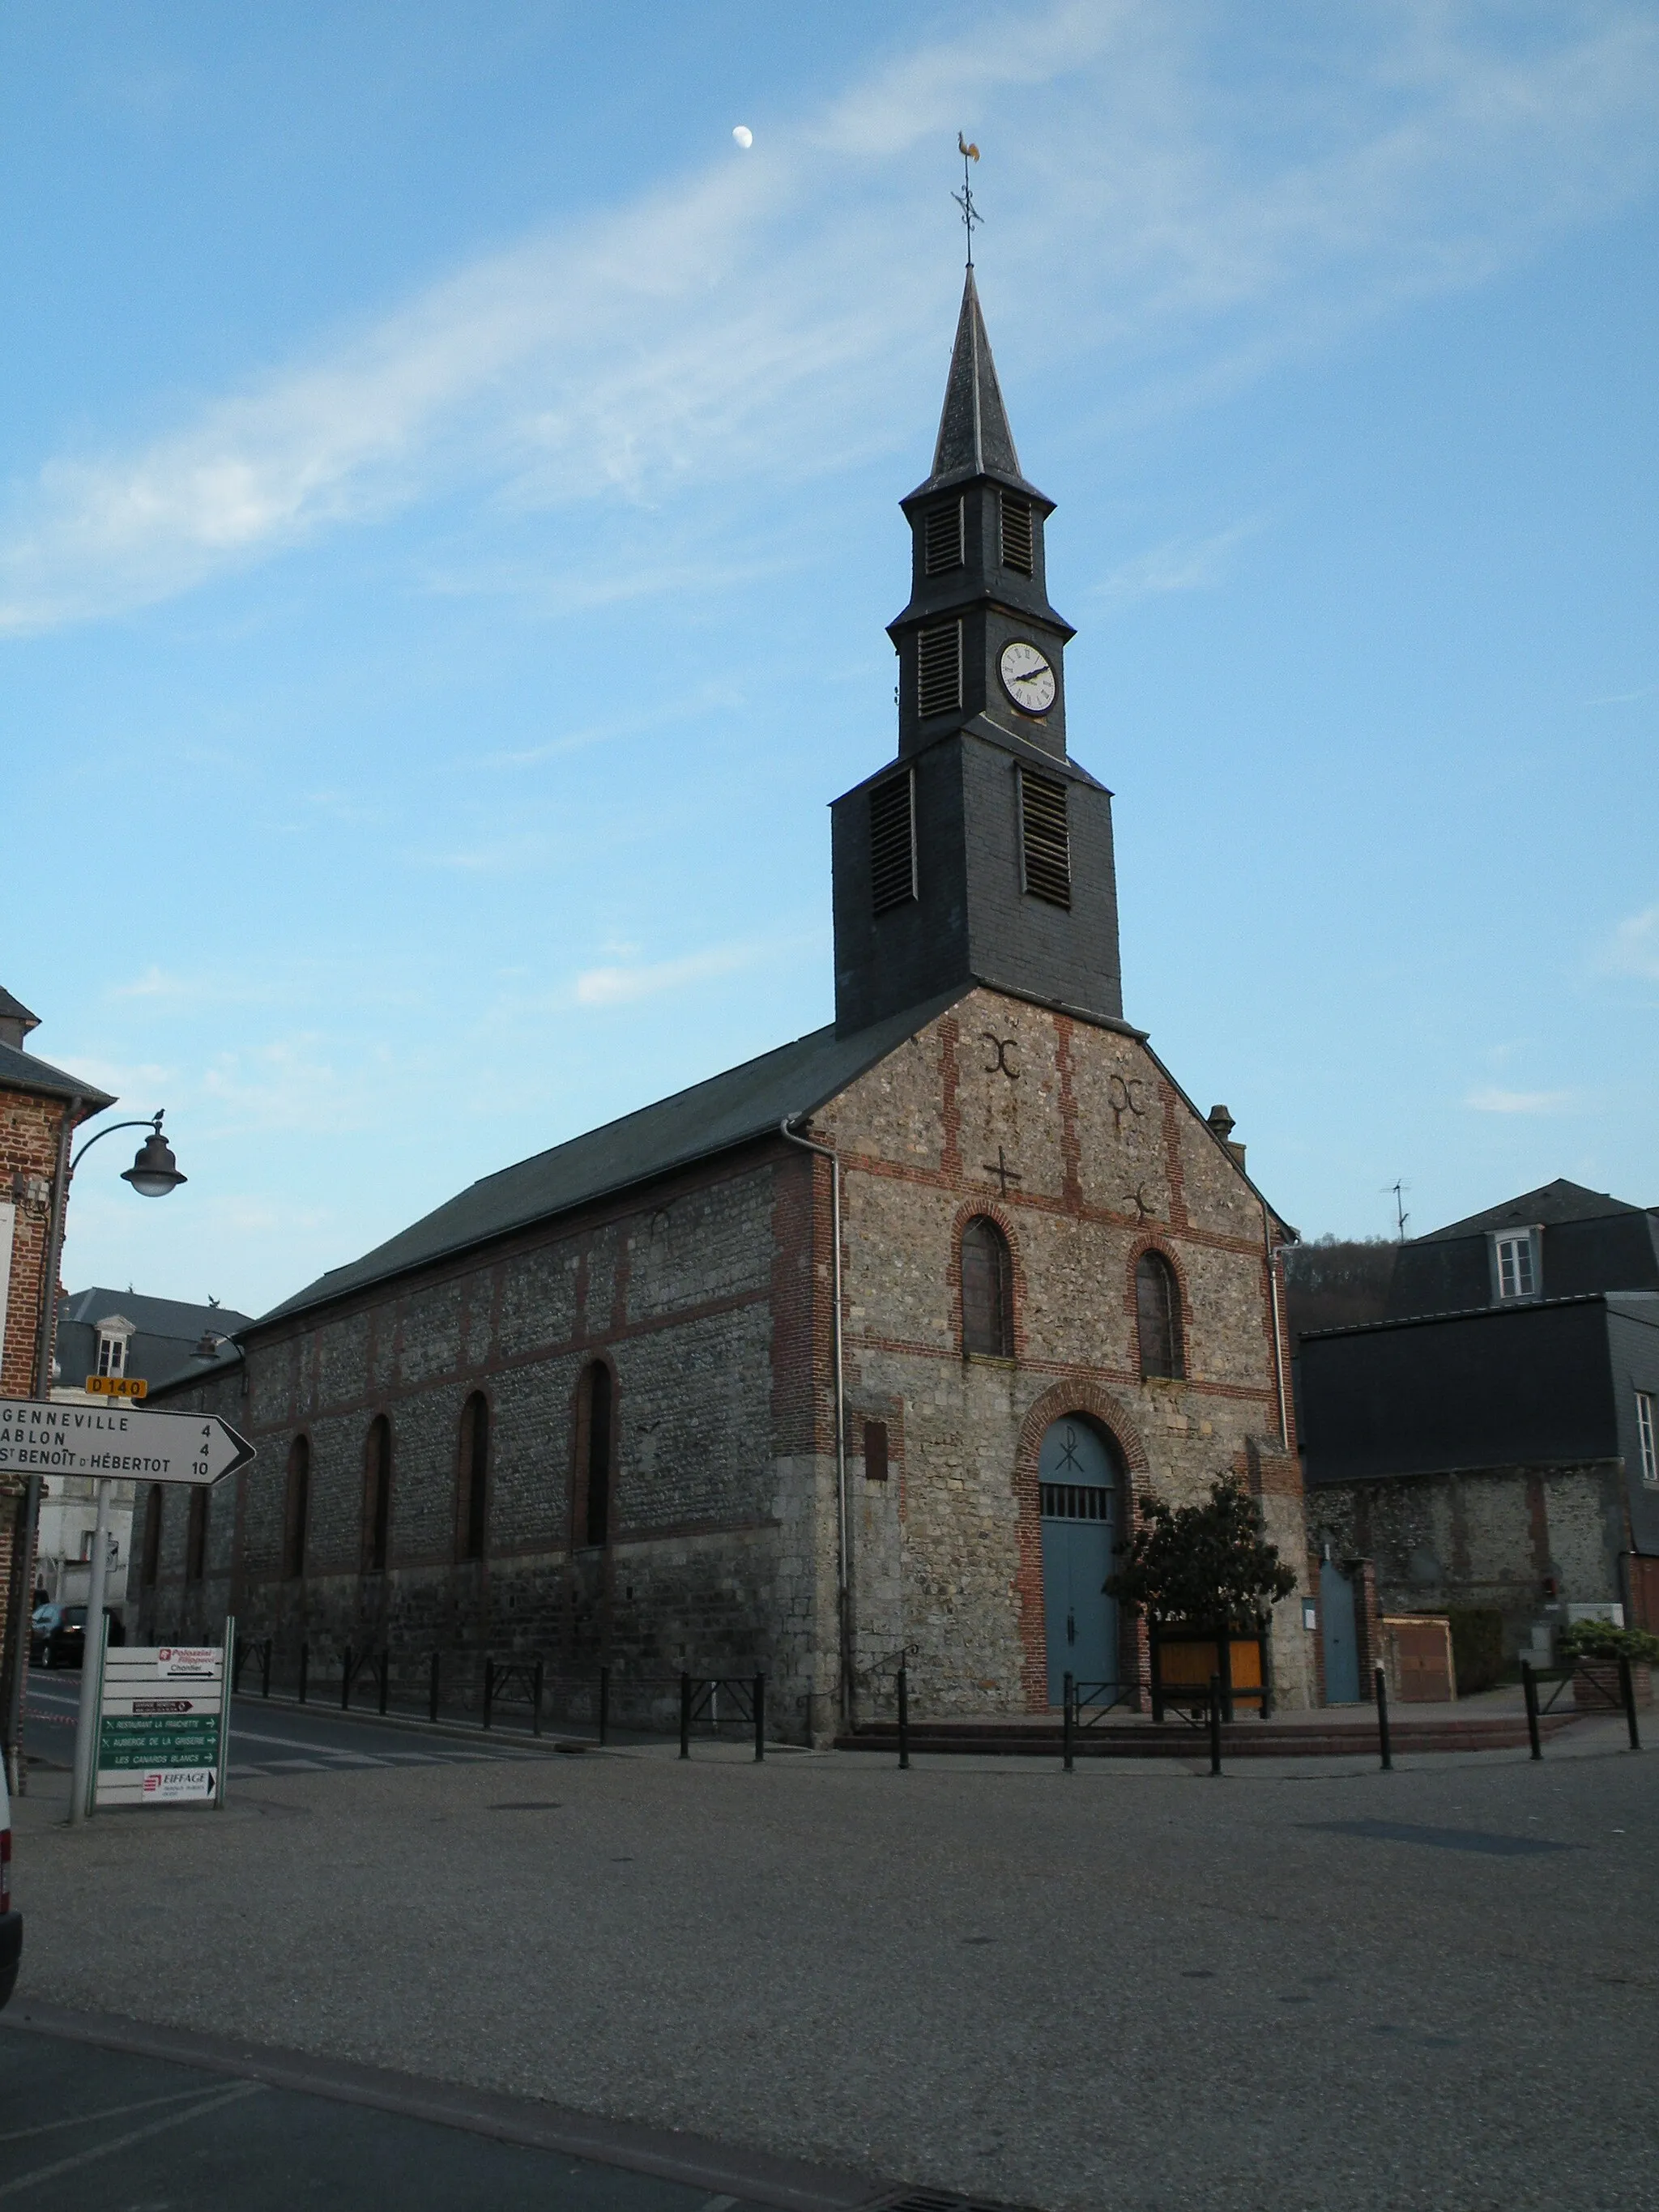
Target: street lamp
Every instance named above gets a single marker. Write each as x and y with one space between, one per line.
153 1172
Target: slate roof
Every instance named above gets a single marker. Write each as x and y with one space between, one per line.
21 1071
727 1110
975 438
165 1333
1557 1202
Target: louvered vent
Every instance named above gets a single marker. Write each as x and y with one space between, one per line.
941 538
939 669
1017 547
892 842
1045 839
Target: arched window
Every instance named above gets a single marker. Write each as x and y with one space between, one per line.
152 1557
377 1495
1158 1312
298 1516
196 1536
597 1390
987 1291
475 1475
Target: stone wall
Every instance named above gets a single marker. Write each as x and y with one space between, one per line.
1526 1540
697 1294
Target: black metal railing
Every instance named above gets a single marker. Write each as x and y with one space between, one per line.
700 1700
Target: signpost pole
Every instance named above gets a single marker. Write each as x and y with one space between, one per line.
224 1708
91 1651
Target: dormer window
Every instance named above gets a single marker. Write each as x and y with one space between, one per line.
941 538
115 1338
1017 543
1514 1264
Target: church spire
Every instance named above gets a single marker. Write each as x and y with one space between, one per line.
973 436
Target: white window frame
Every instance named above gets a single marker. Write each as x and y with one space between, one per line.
112 1354
1647 1437
1529 1241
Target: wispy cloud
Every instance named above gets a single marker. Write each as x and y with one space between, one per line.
1192 564
1490 1100
1634 947
727 323
625 986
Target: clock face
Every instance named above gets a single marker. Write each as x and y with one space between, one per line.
1027 678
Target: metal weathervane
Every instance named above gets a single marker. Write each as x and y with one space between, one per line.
965 199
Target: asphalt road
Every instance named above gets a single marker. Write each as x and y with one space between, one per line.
272 1739
110 2131
1304 1987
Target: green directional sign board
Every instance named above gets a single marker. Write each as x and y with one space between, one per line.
163 1719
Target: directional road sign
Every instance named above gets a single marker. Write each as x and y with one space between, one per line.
41 1436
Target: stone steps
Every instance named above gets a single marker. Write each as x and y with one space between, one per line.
1137 1739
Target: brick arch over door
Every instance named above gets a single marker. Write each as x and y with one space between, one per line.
1113 1416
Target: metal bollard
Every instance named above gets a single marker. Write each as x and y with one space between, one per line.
432 1694
760 1717
1215 1724
605 1703
1627 1693
1529 1693
345 1682
536 1723
904 1715
264 1669
490 1689
1383 1745
305 1669
1069 1694
685 1714
385 1678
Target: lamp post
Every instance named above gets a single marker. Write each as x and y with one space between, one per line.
154 1174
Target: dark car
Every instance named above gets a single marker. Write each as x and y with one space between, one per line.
57 1634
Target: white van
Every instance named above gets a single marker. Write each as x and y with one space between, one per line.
11 1923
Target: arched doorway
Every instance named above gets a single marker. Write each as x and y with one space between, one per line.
1081 1481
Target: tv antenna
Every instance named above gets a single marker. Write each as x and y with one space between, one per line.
1398 1191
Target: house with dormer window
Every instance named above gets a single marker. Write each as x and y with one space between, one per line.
1492 1440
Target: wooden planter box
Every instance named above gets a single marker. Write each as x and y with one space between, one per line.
1595 1684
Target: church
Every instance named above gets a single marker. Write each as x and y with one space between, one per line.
870 1345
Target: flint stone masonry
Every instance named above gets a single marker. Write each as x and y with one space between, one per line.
1489 1536
707 1293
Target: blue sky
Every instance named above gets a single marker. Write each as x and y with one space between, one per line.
447 522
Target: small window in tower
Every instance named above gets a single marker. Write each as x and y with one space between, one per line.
939 669
893 842
1045 841
941 538
1017 535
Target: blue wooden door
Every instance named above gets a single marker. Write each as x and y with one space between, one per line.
1336 1619
1080 1488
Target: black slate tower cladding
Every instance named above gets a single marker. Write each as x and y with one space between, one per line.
982 854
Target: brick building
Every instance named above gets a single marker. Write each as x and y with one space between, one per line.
41 1109
870 1343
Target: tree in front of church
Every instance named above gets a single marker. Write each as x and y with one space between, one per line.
1207 1566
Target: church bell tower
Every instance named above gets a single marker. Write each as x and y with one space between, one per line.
982 854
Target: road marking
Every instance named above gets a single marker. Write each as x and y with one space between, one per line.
138 2135
111 2112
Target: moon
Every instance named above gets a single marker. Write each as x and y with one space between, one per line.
745 136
